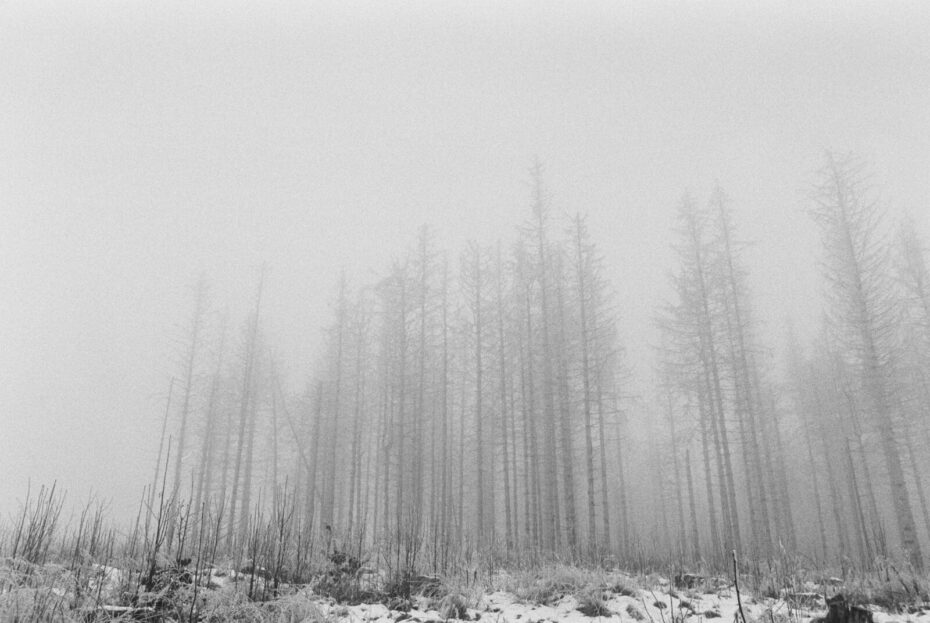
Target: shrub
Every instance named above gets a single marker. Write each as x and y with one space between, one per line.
341 579
592 602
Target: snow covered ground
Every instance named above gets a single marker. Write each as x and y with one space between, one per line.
650 604
552 594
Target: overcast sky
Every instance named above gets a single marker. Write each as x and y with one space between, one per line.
145 143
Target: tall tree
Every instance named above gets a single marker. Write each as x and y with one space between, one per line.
600 366
913 280
582 275
210 427
195 331
335 410
503 371
474 277
245 436
743 373
803 405
693 322
566 432
862 312
551 524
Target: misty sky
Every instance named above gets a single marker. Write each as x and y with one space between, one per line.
145 143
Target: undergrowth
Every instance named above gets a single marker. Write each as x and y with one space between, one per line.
180 565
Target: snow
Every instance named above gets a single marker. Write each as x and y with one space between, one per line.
651 605
653 600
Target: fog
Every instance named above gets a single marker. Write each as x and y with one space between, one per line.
144 145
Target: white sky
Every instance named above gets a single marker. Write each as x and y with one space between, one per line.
144 143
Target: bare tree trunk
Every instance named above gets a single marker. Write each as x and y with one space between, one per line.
602 439
334 417
445 497
461 467
873 525
729 489
842 535
314 459
581 265
246 415
191 359
420 415
228 427
621 480
479 414
918 480
660 500
676 473
780 474
274 439
695 533
531 438
708 473
515 497
402 459
383 464
502 366
565 431
249 460
817 499
357 415
859 523
205 473
550 505
161 444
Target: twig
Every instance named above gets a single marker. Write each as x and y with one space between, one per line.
646 608
739 600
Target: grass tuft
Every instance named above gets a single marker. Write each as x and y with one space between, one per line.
592 602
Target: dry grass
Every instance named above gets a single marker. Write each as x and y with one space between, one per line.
64 571
592 602
548 584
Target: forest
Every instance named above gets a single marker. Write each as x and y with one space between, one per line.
477 401
416 312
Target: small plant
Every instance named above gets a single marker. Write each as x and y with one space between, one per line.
622 586
592 602
294 608
635 612
453 606
550 584
407 584
341 579
168 588
35 528
688 581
